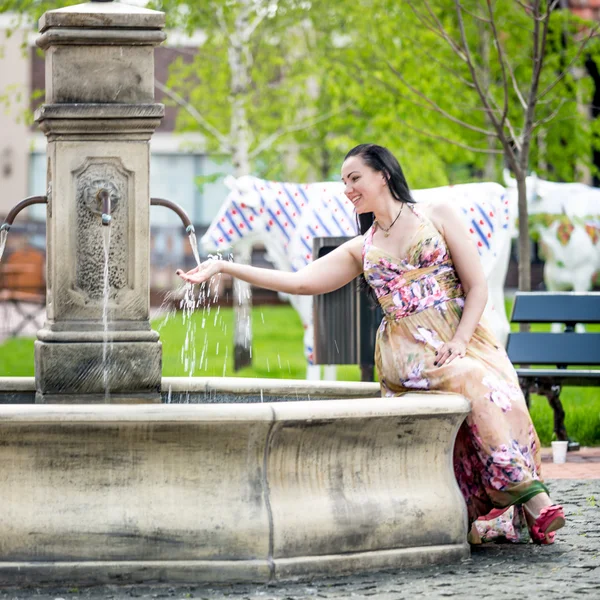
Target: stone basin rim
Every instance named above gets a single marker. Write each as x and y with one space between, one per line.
409 405
240 385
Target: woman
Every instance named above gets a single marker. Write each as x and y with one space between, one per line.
425 272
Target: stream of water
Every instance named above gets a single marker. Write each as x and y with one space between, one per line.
3 236
194 244
105 298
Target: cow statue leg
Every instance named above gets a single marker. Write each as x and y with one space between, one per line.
330 372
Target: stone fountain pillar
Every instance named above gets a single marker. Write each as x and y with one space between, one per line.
98 117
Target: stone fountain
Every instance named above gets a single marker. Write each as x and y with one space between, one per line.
247 482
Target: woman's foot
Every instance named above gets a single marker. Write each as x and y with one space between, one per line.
543 524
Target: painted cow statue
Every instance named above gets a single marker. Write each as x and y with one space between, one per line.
565 218
285 217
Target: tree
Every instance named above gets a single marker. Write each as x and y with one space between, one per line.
485 77
245 90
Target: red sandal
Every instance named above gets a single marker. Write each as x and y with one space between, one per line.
548 521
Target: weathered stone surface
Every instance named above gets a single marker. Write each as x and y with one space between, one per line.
67 372
17 390
568 570
75 233
105 15
98 120
100 74
228 492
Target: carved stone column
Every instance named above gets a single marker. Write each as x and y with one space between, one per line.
98 117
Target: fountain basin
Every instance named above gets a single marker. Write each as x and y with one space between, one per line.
228 492
201 390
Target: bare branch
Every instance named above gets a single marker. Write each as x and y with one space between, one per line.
438 29
515 84
527 7
582 46
498 45
482 95
436 106
447 68
298 127
223 141
532 9
359 73
450 141
508 124
476 17
550 117
539 46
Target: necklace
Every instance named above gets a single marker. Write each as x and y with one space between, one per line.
386 232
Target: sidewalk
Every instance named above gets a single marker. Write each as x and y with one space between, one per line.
582 464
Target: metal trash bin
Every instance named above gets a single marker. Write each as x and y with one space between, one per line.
345 321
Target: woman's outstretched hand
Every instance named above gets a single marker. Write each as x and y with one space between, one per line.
203 272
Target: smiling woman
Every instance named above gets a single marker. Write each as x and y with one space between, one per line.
426 274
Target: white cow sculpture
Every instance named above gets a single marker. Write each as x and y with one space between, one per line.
285 217
566 219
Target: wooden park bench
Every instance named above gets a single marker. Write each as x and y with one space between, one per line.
554 355
22 290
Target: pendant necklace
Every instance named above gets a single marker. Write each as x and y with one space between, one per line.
386 232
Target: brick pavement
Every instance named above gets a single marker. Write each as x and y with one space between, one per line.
567 570
582 464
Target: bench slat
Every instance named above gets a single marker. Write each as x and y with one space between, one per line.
554 348
556 307
572 377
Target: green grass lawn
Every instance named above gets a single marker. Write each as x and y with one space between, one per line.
278 353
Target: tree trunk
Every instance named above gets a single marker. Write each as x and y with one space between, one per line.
240 143
524 241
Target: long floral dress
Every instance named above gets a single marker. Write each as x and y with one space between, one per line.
497 451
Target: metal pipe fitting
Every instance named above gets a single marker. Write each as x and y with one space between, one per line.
19 207
187 223
103 197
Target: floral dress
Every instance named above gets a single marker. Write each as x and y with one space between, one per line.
497 451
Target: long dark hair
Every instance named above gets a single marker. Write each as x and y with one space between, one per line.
382 160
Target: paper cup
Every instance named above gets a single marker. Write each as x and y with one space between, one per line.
559 452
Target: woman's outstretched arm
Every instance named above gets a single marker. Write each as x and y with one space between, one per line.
325 274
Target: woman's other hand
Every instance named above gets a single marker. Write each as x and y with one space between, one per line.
203 272
447 352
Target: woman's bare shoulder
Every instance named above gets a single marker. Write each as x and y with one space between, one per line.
439 212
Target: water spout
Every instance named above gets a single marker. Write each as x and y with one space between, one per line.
5 227
19 207
103 196
187 223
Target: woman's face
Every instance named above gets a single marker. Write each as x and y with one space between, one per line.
363 184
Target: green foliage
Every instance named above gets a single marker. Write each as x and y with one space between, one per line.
272 91
324 76
32 10
401 75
